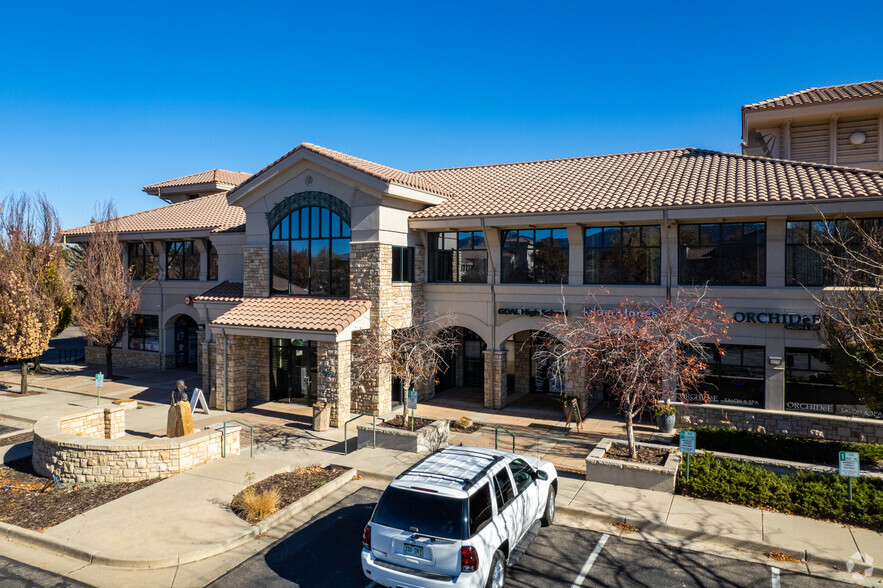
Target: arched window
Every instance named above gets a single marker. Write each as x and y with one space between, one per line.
310 254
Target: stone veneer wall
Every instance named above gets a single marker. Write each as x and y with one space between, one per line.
125 358
495 389
85 447
232 383
208 353
773 422
334 379
257 367
256 271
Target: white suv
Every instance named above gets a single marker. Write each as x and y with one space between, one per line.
457 517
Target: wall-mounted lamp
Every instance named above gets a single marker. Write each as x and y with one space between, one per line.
775 360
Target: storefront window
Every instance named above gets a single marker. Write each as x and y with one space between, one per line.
809 387
310 254
142 261
534 256
182 260
622 255
144 332
722 254
804 239
457 257
736 376
402 264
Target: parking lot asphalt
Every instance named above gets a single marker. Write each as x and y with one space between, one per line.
325 552
19 575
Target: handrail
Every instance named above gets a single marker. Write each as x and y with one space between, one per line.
497 430
224 438
373 430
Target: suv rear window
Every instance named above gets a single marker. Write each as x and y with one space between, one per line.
429 514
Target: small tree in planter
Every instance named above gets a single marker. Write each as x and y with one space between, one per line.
414 354
641 353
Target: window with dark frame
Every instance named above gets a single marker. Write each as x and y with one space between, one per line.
182 260
805 239
402 264
810 387
722 254
622 255
144 332
735 375
142 261
538 256
480 509
310 254
458 257
212 262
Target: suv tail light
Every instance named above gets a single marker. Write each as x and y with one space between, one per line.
366 537
468 559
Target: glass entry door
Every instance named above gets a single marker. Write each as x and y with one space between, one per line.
293 370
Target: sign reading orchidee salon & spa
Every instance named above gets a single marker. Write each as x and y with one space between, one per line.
791 320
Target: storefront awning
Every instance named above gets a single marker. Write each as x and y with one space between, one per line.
296 317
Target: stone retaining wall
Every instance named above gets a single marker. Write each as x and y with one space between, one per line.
86 447
774 422
123 358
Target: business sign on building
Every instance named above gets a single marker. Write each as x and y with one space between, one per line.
794 321
530 311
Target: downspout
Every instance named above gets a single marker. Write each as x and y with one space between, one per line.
226 388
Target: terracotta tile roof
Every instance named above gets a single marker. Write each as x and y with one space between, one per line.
220 176
381 172
295 313
226 291
674 177
208 212
819 95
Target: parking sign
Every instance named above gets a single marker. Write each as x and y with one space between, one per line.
849 465
99 380
688 441
412 399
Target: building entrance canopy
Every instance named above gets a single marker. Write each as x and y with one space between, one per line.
304 317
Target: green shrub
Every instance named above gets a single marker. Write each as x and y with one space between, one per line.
787 448
809 494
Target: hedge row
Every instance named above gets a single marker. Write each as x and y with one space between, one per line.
787 448
810 494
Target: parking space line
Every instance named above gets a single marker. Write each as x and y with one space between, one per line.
775 582
587 567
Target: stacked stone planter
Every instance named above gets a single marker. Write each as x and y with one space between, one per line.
432 437
635 475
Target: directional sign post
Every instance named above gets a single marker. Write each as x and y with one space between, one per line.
688 446
99 382
849 467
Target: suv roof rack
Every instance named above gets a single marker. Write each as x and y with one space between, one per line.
466 482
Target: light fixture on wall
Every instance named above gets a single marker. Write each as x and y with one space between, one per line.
775 360
857 138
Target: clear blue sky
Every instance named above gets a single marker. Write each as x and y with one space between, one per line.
98 101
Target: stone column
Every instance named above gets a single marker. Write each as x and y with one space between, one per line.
334 379
522 367
258 370
494 379
256 271
232 381
774 392
114 422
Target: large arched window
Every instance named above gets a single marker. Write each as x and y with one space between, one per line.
310 254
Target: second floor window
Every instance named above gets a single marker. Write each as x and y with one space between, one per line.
722 254
457 257
805 240
212 262
182 260
534 255
310 254
622 255
402 264
142 261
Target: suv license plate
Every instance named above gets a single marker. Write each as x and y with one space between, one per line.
414 550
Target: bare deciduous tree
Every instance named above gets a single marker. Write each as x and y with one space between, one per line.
33 280
640 352
413 354
108 298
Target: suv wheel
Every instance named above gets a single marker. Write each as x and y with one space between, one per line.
497 577
549 514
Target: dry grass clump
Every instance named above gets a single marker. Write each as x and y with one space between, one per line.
255 506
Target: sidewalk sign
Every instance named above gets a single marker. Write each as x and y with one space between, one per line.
99 382
574 406
688 446
849 467
198 398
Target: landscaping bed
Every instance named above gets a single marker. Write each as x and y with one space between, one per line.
22 437
785 448
22 504
260 500
645 454
399 423
810 494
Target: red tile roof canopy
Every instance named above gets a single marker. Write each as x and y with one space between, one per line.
295 313
216 176
870 89
226 291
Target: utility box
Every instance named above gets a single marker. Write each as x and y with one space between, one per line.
321 416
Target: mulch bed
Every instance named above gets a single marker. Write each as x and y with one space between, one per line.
23 437
22 504
645 454
456 428
397 423
292 486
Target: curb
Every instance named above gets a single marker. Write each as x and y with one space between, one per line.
59 547
743 544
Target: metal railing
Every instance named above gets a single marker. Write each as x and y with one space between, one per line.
373 430
497 431
224 437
